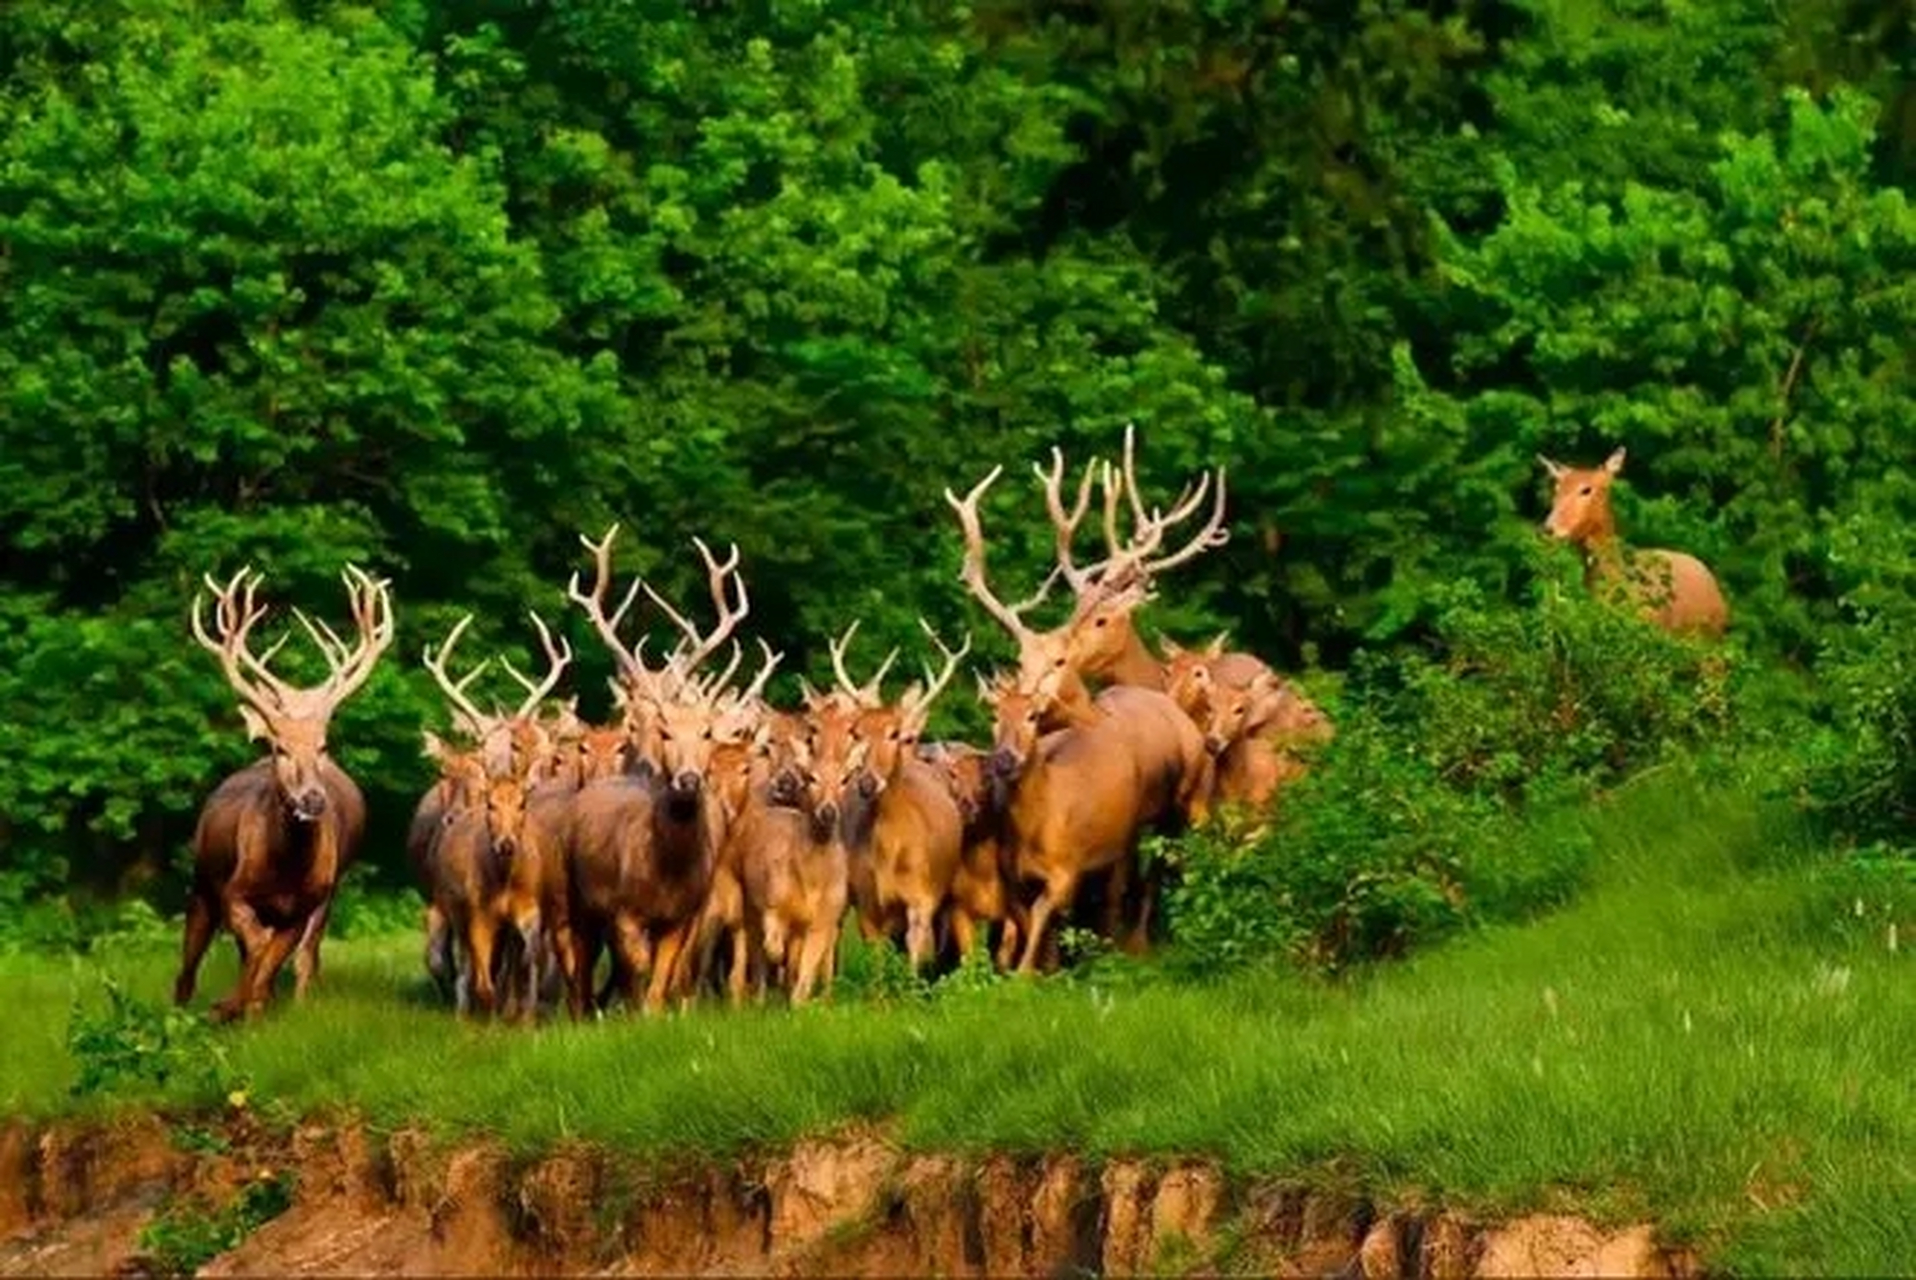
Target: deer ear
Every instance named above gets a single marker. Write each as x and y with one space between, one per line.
256 728
1172 649
1614 463
1556 469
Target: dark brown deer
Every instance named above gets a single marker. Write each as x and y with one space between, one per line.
642 849
274 837
1672 589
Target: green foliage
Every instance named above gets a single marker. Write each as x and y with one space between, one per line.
1420 816
185 1234
438 287
134 1046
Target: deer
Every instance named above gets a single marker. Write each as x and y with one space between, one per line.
915 836
1672 590
1254 731
1074 800
511 748
791 885
274 837
1165 743
642 848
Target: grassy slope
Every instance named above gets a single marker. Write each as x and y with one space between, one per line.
1711 1036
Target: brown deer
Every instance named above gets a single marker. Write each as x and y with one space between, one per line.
1671 589
1165 743
513 746
1255 731
487 880
1075 801
274 837
641 849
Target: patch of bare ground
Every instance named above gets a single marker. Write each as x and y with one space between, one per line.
74 1199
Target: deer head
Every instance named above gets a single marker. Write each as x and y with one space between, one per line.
1110 591
506 814
1017 712
293 721
892 732
830 761
515 742
1580 507
463 771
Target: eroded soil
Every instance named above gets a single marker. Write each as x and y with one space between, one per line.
74 1200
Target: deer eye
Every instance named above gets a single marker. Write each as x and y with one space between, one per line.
1584 492
1100 622
708 735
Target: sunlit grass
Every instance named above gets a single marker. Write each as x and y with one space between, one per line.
1715 1035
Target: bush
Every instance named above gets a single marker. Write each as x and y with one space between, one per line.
1414 821
1861 778
1565 694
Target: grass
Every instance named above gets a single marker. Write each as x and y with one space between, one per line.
1715 1035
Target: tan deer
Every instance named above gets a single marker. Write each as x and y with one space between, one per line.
274 837
641 849
513 747
1165 743
1671 589
1075 801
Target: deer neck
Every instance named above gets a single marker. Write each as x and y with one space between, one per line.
1073 708
1137 665
1603 550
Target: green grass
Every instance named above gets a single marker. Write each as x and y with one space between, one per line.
1711 1036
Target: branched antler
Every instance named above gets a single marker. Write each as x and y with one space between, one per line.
705 644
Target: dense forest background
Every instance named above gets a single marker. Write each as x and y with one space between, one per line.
437 288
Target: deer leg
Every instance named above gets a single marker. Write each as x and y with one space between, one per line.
253 939
579 956
201 924
1055 892
481 935
964 933
306 956
631 955
266 969
438 949
532 942
665 963
1007 942
739 979
920 944
814 949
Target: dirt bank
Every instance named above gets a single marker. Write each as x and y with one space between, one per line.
74 1200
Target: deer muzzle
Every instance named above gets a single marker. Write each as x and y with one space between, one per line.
1005 764
687 783
1216 743
309 804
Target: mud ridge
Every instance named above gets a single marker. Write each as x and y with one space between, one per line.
75 1198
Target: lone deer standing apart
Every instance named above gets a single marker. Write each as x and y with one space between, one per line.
1669 588
274 837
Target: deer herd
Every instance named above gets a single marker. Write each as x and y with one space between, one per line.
711 841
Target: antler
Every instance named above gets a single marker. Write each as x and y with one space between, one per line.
973 572
918 702
1066 523
871 692
370 599
628 660
478 723
705 645
1132 563
558 657
237 612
